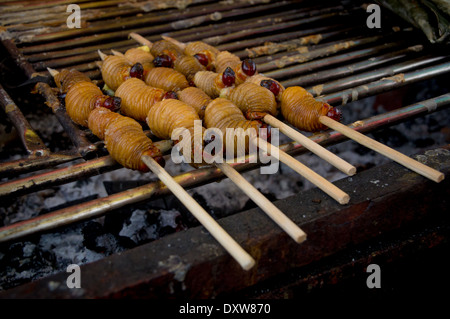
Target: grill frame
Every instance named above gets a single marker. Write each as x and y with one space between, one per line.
87 150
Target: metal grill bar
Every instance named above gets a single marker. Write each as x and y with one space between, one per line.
30 140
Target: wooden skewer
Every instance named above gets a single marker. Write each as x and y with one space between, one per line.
102 55
400 158
238 253
329 188
52 72
317 149
140 39
117 53
181 45
266 205
241 256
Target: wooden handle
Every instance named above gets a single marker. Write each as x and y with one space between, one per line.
238 253
266 205
317 149
396 156
329 188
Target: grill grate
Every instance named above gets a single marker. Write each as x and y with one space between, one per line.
327 49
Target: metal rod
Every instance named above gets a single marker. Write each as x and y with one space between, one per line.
329 61
349 95
65 175
249 43
299 19
291 44
30 140
78 137
34 163
183 20
21 61
286 61
349 69
101 206
365 77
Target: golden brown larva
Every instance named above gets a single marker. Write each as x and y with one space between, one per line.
124 139
253 100
300 109
167 79
137 98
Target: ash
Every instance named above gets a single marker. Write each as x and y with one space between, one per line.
41 255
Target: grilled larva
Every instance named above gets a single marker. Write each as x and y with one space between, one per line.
116 69
188 66
196 98
82 98
203 52
242 69
299 108
222 114
124 139
139 55
65 79
167 79
169 115
137 98
165 52
212 83
253 100
272 85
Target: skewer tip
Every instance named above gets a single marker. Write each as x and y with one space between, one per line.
52 72
117 53
102 55
140 39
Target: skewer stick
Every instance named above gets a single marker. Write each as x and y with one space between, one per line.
317 149
102 55
117 53
140 39
181 45
239 254
52 72
400 158
328 187
266 205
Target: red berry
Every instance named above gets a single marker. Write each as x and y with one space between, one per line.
249 67
228 77
202 58
163 60
170 95
137 71
271 85
334 113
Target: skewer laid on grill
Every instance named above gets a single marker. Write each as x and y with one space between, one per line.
296 100
315 148
303 170
126 131
165 116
